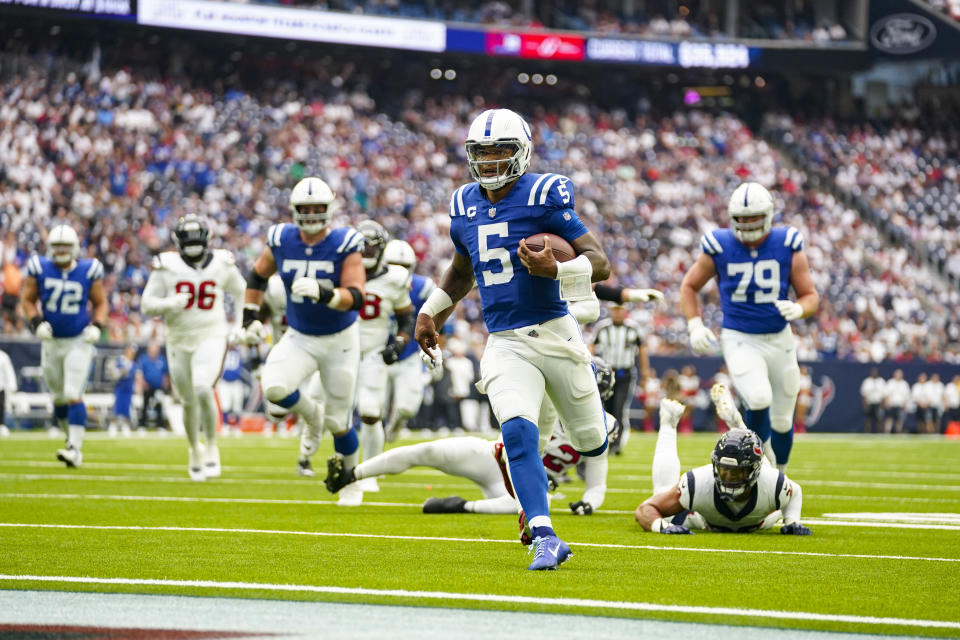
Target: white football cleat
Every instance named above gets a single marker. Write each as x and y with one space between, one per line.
211 464
195 468
670 413
370 485
726 410
70 456
350 496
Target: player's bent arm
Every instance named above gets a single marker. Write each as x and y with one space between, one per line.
153 299
664 504
353 280
699 275
588 245
794 504
802 284
29 299
264 267
99 299
455 283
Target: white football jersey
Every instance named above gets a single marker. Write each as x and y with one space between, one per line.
698 493
275 297
204 314
383 295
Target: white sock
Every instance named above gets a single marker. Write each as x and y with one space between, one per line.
207 413
371 439
75 436
666 462
191 420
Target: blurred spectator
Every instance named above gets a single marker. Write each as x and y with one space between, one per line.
920 395
8 387
153 379
872 390
935 391
804 400
462 379
122 370
898 395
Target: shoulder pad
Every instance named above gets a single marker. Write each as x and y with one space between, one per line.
553 191
400 275
710 244
225 256
793 239
351 241
95 270
457 208
274 234
156 264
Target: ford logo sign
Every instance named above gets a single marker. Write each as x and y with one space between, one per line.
902 33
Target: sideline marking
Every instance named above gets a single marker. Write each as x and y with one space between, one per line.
482 597
513 541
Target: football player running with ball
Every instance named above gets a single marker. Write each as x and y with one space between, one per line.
535 347
186 287
755 266
323 276
55 295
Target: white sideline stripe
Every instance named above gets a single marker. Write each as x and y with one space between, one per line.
484 597
936 518
513 541
74 476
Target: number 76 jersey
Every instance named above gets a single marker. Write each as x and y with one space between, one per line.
204 314
751 280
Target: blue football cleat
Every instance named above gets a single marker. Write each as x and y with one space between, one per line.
549 552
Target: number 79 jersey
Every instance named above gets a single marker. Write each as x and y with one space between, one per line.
204 313
751 280
64 294
489 234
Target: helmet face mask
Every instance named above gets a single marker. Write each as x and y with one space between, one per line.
311 202
751 212
375 239
736 459
191 237
64 245
499 146
604 375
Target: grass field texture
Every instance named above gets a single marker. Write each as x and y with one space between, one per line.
884 557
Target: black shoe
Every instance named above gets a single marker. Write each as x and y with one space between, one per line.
337 478
304 468
452 504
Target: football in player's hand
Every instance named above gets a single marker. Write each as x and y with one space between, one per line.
562 250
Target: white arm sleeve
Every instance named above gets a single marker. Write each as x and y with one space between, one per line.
585 311
595 477
236 287
793 504
153 299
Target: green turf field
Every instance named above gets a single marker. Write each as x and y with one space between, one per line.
884 556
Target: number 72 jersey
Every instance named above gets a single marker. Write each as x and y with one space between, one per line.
64 294
751 280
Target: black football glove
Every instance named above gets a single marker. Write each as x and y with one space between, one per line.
675 528
581 508
795 529
393 350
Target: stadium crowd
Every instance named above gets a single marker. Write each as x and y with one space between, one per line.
122 156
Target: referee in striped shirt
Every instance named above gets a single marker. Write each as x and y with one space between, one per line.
618 341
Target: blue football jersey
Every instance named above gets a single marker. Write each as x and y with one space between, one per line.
420 290
322 261
490 234
751 280
64 294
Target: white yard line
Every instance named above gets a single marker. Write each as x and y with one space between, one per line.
325 534
561 603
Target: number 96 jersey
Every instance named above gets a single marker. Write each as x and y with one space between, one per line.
386 292
204 313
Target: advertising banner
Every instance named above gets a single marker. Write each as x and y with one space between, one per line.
115 9
293 24
900 29
542 46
